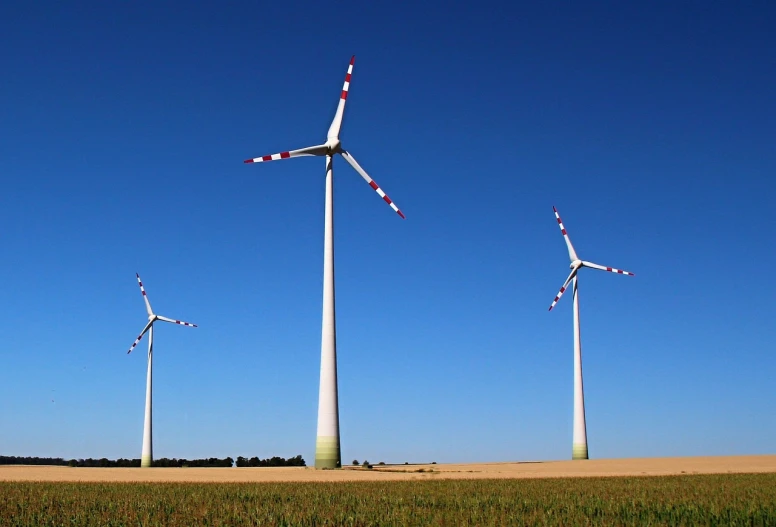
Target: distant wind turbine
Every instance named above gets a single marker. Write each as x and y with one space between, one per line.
147 456
579 441
327 446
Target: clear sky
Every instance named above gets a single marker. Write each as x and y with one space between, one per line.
123 131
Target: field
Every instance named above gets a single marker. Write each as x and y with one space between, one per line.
548 469
719 493
735 499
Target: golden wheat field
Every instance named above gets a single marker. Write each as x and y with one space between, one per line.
506 470
657 491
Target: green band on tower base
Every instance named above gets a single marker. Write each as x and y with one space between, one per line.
579 451
145 461
327 452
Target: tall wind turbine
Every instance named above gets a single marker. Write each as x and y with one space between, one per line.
148 451
579 444
327 445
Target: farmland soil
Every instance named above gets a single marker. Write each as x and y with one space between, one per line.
505 470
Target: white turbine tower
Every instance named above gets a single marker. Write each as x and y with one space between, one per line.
148 454
327 446
579 442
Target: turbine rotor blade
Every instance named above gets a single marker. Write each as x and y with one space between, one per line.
336 123
179 322
603 268
145 329
371 182
565 285
145 296
318 150
572 252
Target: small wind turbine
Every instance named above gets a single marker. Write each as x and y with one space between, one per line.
579 442
148 450
327 446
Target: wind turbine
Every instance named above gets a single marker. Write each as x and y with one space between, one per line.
148 455
327 445
579 442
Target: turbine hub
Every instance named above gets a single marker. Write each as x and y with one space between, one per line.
333 145
575 263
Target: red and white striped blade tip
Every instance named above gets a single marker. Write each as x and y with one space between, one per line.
135 344
604 268
560 222
345 88
371 182
271 157
175 321
562 290
385 197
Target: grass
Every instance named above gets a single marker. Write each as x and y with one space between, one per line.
741 499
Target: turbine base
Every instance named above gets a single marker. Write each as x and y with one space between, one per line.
579 451
327 453
146 461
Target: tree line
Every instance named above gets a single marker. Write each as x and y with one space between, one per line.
271 462
275 461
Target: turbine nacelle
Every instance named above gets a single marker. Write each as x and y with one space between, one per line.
333 146
575 263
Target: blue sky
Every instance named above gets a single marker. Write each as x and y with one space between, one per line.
124 128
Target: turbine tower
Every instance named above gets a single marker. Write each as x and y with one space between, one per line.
327 445
579 441
148 450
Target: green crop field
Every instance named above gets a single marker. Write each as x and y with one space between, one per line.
748 499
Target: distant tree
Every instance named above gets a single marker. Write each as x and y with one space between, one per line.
274 461
355 462
19 460
297 461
